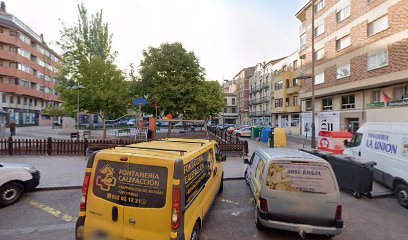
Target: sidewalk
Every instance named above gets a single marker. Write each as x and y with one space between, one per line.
55 171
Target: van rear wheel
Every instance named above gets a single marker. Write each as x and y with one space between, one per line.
401 192
195 235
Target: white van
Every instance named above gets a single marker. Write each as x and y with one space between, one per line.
387 145
294 191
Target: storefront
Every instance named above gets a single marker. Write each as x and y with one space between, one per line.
23 117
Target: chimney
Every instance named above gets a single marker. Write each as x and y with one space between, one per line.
3 6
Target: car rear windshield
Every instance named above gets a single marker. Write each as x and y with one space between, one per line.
131 185
300 177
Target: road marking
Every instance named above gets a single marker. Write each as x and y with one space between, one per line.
52 211
228 201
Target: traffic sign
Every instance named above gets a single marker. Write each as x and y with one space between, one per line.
140 101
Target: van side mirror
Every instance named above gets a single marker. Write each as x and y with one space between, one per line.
347 143
246 161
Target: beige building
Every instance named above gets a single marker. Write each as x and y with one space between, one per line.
285 99
242 81
230 113
361 71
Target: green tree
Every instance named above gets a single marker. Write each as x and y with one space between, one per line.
210 101
171 76
88 60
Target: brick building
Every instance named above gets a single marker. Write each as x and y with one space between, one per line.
27 73
361 71
242 81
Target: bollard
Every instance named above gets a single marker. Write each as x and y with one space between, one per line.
272 138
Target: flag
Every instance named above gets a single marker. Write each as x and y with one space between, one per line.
386 98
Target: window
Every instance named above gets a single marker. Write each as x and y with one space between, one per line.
278 85
25 101
4 99
287 83
319 6
377 60
295 82
308 105
25 83
233 110
18 100
401 92
343 42
225 101
24 53
259 170
295 64
225 110
11 99
285 68
343 14
295 100
294 122
24 38
319 30
348 101
377 26
343 71
319 79
375 96
25 68
327 104
284 121
279 103
319 54
233 101
303 40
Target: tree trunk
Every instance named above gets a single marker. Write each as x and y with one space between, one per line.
104 126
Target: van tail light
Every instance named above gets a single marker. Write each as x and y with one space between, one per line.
338 213
263 204
176 209
85 192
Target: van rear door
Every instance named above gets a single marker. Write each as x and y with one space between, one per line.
104 208
147 214
301 192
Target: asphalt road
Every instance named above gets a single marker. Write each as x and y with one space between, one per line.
51 215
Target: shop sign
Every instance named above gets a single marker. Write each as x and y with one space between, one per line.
398 103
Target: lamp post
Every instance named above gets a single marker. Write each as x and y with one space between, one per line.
78 87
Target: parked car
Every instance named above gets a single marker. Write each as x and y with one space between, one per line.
122 123
294 191
131 122
238 128
15 179
387 145
243 132
166 197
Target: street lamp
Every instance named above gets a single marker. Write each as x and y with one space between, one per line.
78 87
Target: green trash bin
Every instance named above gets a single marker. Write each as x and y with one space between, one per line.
256 132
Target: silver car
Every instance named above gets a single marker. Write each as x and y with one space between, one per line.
294 191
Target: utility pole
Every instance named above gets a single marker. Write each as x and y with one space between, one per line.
313 77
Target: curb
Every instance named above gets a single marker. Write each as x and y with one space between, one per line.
42 189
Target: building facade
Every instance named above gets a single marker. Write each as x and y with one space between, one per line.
27 73
361 67
259 96
242 81
285 95
230 113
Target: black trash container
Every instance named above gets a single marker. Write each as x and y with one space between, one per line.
353 175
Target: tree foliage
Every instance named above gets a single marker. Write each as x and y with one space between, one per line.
173 77
88 60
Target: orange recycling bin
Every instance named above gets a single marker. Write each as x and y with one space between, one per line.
333 141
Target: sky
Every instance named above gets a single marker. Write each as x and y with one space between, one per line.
226 35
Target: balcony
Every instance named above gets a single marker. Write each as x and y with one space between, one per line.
255 89
293 109
24 91
265 99
293 90
265 85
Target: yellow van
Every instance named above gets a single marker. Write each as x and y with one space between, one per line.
153 190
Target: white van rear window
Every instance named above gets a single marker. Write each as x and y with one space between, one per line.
299 177
131 185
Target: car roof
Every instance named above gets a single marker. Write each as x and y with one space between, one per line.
287 154
168 148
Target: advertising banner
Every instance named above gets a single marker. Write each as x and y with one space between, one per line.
131 185
292 177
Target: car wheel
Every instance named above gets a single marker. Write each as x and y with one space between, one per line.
10 193
195 235
258 224
221 189
401 192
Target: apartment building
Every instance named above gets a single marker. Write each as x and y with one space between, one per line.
285 95
230 113
242 81
361 70
27 73
260 94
